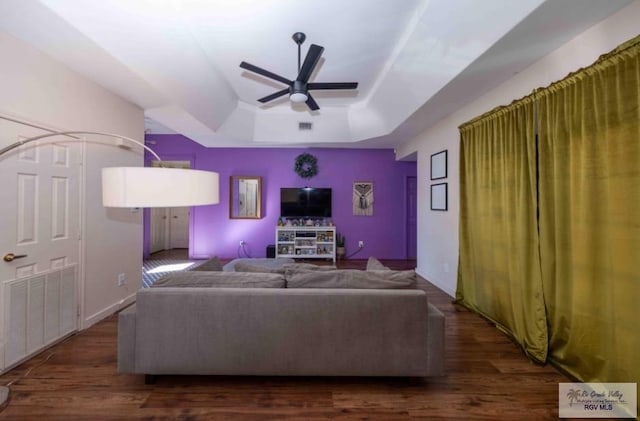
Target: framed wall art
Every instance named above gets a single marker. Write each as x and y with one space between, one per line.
439 165
363 198
439 197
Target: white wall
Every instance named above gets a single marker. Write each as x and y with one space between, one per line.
438 231
40 90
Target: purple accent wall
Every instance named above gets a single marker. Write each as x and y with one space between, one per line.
212 233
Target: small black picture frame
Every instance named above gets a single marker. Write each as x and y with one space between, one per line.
439 165
439 197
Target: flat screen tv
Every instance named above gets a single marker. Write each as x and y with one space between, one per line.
305 202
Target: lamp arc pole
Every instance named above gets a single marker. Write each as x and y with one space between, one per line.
77 132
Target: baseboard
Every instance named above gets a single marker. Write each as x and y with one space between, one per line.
444 288
103 314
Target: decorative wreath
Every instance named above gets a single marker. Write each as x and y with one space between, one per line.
306 165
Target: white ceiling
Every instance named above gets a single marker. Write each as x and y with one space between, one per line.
415 60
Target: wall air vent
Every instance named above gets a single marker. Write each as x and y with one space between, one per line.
305 125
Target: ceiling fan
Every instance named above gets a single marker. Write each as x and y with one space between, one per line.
299 88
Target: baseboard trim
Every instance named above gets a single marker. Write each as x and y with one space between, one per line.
103 314
444 288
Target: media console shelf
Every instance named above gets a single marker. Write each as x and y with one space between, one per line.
306 242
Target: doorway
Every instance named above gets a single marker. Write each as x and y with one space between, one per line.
169 227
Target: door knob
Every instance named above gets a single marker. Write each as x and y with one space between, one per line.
10 257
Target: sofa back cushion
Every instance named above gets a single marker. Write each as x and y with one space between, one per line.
257 268
309 266
248 267
351 279
257 261
212 265
221 280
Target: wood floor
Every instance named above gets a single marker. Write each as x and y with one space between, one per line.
487 378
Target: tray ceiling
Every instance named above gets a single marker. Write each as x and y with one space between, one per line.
179 59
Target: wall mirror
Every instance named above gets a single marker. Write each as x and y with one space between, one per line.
244 197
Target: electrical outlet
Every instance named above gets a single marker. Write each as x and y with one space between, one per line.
446 268
360 244
122 279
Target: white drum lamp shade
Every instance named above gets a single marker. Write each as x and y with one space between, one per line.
147 187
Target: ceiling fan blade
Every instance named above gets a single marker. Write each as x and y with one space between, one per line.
311 103
274 95
333 85
265 73
310 61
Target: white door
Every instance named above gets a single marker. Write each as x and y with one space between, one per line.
179 227
40 206
158 223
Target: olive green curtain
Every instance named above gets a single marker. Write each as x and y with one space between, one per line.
499 272
550 226
589 154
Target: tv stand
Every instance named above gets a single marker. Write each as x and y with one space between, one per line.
306 242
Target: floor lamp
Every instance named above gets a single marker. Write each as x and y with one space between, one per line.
140 187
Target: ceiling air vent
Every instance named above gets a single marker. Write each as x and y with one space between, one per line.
305 125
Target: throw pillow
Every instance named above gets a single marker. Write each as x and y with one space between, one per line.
212 265
375 264
220 280
351 278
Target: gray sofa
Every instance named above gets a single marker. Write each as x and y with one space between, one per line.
275 330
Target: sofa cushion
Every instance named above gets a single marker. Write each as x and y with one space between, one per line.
256 268
248 267
257 261
309 266
220 280
212 265
375 264
351 278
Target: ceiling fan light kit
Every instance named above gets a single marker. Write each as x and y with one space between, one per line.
298 89
298 92
298 97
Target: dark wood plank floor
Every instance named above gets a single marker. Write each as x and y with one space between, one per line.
487 378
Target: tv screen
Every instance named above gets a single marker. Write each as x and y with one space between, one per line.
306 202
